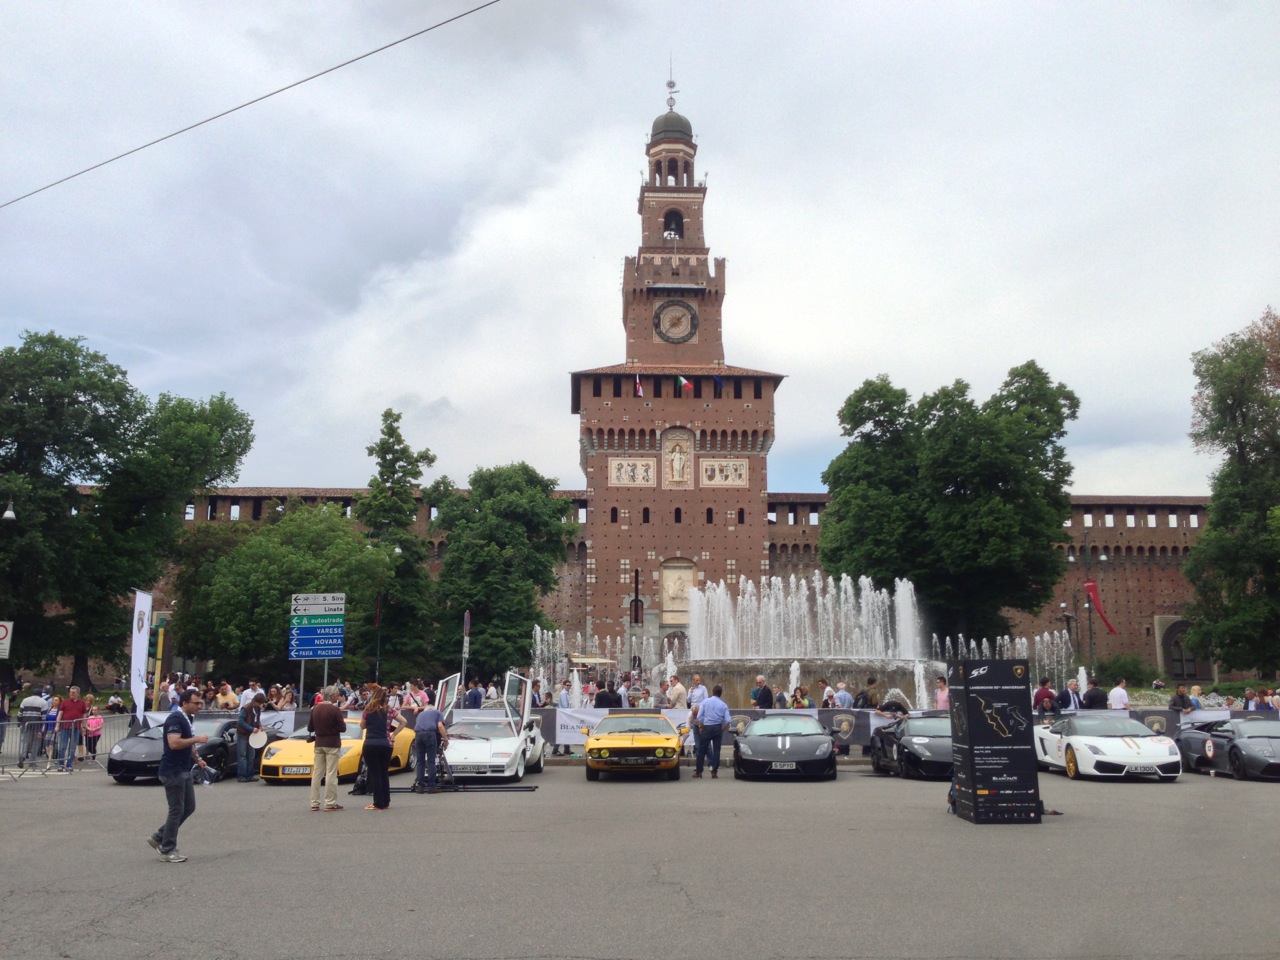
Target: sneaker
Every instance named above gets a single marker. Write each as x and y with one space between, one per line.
372 807
334 809
173 856
155 844
315 809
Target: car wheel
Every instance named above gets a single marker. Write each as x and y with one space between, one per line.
830 774
674 772
1236 763
411 762
123 778
592 774
876 765
537 765
737 774
904 768
519 770
1073 766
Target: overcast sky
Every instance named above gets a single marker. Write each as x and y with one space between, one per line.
929 191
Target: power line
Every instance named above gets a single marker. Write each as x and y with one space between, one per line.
249 103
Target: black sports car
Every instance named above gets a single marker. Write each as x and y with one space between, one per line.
1248 747
779 745
138 755
913 747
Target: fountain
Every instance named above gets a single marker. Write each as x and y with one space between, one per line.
805 629
808 628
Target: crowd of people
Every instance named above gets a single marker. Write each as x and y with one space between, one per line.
53 728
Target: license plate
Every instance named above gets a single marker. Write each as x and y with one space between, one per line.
636 760
295 771
470 768
783 765
1142 768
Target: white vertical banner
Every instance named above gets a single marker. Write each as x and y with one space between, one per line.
138 650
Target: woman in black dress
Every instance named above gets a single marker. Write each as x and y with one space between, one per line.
377 748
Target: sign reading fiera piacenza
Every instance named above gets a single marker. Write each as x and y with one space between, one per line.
317 625
992 744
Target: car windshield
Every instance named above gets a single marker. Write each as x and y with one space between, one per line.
481 730
624 724
799 726
1111 727
151 733
1260 728
927 727
209 728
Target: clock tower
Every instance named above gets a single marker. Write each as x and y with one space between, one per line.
673 442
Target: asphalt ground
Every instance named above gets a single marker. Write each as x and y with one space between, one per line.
865 866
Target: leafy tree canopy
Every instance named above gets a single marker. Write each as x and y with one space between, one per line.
1235 566
236 611
965 499
506 535
404 630
68 564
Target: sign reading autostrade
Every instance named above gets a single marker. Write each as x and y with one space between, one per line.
992 744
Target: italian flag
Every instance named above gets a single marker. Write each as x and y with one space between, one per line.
683 384
639 389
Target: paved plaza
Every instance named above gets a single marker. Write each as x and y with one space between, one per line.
864 866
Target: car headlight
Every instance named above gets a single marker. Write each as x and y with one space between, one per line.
270 752
602 753
824 747
744 749
1173 749
504 755
117 750
1264 748
1096 751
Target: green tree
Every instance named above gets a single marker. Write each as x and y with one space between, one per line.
1235 566
506 536
966 500
243 601
389 511
99 477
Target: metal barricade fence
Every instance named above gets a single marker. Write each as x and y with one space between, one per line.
34 748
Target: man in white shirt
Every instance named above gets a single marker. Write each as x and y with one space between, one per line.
564 702
1118 698
252 690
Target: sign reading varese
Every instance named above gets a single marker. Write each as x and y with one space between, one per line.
317 625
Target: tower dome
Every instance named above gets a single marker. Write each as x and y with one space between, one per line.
672 126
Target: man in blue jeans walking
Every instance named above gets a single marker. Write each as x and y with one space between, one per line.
175 773
713 717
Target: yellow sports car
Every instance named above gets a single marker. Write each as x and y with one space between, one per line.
633 741
290 760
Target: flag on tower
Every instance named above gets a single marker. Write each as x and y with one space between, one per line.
683 384
639 389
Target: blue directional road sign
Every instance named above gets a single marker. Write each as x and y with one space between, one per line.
317 624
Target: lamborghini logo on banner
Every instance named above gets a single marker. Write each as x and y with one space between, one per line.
1019 671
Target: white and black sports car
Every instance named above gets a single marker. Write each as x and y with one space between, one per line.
913 747
1107 746
784 745
503 741
1247 747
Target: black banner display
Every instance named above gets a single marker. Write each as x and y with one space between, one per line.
992 748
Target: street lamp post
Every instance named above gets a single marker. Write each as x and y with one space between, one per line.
1088 604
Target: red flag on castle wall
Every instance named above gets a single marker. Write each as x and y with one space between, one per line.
1091 589
639 389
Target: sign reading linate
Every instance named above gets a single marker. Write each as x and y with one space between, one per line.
317 625
993 748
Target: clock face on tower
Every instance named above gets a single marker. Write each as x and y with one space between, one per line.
675 321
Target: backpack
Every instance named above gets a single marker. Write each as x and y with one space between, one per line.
360 787
861 701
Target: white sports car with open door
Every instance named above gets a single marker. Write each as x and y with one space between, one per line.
502 741
1105 745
